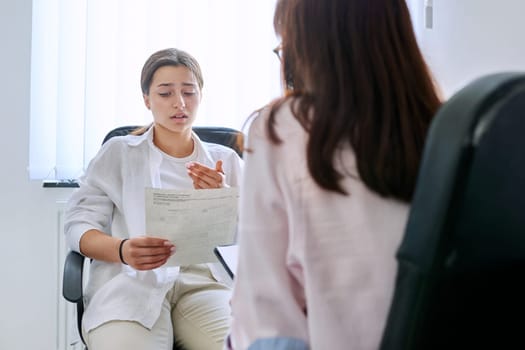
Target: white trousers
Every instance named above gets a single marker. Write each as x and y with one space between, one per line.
196 312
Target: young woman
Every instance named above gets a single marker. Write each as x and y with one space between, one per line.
133 302
329 174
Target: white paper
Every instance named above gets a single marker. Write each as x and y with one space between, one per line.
196 221
228 256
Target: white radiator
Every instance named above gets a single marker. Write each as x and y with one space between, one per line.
67 333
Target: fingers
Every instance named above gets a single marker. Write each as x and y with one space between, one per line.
205 177
149 241
218 167
146 253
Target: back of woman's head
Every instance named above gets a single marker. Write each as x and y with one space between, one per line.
358 77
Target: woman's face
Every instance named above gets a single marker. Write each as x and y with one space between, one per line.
174 98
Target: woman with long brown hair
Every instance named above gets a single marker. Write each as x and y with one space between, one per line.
329 175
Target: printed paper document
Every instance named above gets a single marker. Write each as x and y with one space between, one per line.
196 221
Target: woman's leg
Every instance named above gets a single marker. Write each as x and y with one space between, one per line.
130 335
201 309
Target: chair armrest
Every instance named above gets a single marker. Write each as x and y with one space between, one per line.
73 274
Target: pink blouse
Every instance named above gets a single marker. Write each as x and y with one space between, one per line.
314 266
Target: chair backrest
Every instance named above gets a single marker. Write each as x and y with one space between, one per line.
214 134
462 258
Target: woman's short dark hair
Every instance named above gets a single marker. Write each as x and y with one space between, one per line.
359 78
169 57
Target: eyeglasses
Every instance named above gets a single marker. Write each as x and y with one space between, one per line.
278 51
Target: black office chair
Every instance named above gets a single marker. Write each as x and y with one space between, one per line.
72 288
462 259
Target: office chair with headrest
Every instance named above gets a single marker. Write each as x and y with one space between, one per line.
72 288
462 259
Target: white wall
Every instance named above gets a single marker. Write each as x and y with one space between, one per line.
28 242
470 38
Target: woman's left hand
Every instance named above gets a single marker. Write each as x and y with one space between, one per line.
205 177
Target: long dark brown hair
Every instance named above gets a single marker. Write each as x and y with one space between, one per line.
358 76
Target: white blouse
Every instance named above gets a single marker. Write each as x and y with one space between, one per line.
111 199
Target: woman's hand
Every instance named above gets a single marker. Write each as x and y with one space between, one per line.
205 177
147 253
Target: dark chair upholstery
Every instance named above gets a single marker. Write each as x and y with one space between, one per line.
462 258
72 288
215 134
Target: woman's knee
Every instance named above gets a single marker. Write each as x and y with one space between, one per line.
201 319
129 335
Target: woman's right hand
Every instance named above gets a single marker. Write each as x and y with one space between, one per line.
147 253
